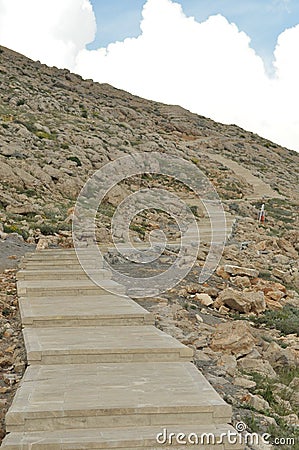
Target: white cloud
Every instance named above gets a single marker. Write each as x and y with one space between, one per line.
207 67
53 31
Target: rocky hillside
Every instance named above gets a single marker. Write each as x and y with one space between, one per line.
56 129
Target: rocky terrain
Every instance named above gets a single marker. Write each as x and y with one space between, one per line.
56 129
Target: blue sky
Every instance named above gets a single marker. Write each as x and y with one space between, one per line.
262 20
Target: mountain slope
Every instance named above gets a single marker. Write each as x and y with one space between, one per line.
50 115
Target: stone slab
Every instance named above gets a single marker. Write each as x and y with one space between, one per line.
83 396
63 274
56 266
122 438
49 288
82 311
102 344
66 262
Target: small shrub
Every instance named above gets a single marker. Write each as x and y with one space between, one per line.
15 229
194 210
47 229
286 320
138 229
43 135
29 192
75 159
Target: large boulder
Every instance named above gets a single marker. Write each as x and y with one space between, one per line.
244 302
258 365
279 357
234 338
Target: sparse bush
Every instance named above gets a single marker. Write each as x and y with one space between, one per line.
138 229
43 135
194 210
75 159
15 229
285 320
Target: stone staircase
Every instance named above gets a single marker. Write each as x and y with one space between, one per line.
100 374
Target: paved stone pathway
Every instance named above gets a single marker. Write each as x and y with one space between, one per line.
100 374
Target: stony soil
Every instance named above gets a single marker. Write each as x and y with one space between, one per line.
12 350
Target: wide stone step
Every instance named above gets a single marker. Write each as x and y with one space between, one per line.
87 345
65 263
63 274
50 288
56 266
58 255
82 311
150 438
83 396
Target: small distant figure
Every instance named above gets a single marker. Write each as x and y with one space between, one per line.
262 214
70 215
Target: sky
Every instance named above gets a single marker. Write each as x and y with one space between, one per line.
236 62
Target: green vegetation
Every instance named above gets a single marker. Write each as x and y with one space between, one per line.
194 210
49 229
15 229
139 229
286 320
75 159
266 388
21 102
107 209
44 135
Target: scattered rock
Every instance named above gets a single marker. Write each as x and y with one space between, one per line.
257 365
228 363
204 299
244 383
241 282
236 270
234 338
257 402
244 302
278 356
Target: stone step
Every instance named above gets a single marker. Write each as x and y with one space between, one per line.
70 257
82 311
50 288
73 345
62 262
58 252
63 274
149 438
57 266
83 396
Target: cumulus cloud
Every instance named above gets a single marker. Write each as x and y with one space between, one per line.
208 68
53 31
